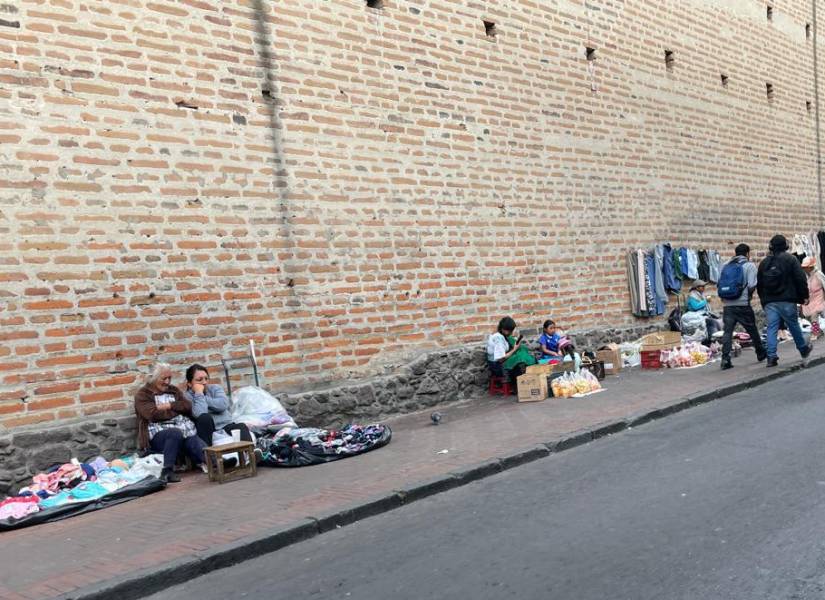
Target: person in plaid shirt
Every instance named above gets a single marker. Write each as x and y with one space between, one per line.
165 424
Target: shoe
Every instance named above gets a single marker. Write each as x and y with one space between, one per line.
259 455
807 351
726 364
761 356
230 463
203 468
773 362
168 475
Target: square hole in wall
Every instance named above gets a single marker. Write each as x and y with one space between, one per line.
378 4
724 79
590 53
490 29
670 59
769 90
769 12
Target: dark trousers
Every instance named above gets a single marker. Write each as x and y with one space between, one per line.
170 442
743 315
205 426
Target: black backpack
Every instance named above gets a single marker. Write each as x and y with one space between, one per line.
773 277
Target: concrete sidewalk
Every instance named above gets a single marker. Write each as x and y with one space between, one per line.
192 527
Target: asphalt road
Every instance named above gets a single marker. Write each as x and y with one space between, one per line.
721 502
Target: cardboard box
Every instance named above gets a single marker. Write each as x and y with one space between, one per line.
545 369
532 387
611 356
661 340
564 367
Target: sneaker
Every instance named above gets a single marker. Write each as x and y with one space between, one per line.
761 356
807 351
726 364
203 468
773 362
169 476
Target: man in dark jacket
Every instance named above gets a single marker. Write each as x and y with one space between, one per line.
782 284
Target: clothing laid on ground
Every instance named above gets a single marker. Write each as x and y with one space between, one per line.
73 488
299 447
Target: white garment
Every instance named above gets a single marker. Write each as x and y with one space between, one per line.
692 264
497 347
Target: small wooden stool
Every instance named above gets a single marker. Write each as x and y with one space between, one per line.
213 457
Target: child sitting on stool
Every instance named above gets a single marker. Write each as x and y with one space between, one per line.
549 342
507 355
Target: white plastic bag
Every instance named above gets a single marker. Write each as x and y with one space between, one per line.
631 354
694 328
221 438
259 409
148 465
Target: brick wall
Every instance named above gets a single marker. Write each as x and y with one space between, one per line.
349 185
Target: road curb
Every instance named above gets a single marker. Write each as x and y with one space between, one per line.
145 582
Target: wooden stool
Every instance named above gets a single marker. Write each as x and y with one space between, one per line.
213 457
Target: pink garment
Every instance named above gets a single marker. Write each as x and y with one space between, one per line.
52 482
816 290
19 507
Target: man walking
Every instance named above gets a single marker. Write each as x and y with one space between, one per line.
736 286
782 285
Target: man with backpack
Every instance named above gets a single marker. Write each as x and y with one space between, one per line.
736 285
782 284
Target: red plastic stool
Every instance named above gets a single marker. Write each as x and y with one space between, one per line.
500 385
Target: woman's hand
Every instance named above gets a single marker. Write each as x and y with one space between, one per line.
198 388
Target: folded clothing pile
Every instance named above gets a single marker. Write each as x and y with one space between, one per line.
76 483
299 447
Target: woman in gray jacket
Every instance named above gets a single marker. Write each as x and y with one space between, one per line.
210 406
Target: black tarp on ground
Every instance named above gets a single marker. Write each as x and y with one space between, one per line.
146 486
300 447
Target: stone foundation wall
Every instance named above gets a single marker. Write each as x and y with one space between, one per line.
430 380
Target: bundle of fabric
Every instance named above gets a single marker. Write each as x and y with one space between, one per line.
300 447
75 487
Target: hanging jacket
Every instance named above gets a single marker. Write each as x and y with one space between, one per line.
704 267
658 276
693 264
672 283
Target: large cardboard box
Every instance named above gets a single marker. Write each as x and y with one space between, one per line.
611 356
661 340
532 387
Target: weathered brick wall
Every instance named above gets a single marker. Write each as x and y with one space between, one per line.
349 186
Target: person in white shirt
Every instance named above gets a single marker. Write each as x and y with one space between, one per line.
498 348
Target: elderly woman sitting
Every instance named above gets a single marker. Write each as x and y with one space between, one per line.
210 406
164 422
